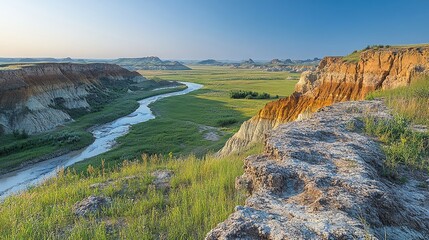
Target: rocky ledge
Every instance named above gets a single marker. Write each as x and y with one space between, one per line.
319 180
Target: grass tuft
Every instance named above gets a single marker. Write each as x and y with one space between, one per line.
201 195
403 144
411 102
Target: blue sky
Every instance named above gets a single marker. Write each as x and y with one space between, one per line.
200 29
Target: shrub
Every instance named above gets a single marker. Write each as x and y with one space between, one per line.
64 137
240 94
20 134
401 144
226 122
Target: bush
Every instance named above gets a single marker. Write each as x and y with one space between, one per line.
54 139
401 144
240 94
64 137
376 47
20 134
226 122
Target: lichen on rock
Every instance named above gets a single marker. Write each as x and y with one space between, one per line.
91 205
320 180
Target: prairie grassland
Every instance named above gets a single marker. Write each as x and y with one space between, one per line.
403 144
15 151
182 121
201 194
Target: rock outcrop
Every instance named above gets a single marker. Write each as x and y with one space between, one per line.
91 205
276 65
33 97
149 63
335 80
318 179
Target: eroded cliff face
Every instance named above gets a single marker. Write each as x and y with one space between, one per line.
320 180
30 94
335 80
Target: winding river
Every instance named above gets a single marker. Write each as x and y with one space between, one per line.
105 136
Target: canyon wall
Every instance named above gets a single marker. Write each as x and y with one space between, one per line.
30 95
335 80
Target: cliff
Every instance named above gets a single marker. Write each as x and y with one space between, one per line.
336 79
31 96
320 180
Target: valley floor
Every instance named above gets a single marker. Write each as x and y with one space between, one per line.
172 195
199 122
193 191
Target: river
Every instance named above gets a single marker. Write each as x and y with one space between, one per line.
105 136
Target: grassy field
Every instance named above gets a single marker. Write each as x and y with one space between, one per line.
403 144
182 121
201 192
15 150
354 57
201 195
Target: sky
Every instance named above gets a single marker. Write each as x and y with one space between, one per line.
202 29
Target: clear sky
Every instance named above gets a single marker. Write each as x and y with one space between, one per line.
200 29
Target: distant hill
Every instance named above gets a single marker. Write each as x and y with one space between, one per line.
211 62
40 60
248 62
144 63
276 65
149 63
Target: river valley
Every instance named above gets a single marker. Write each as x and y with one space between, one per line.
104 135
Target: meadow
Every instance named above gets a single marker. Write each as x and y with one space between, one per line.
183 121
405 138
201 194
16 150
201 191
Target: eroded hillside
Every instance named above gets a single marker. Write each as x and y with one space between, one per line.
336 79
34 97
321 179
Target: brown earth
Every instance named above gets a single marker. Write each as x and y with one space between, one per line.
335 80
29 93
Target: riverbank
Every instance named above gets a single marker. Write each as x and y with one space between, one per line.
189 198
199 122
17 152
104 135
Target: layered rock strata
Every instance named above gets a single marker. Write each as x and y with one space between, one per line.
30 94
335 80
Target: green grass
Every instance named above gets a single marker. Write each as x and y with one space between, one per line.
202 190
412 45
202 194
177 128
410 102
401 143
14 152
353 57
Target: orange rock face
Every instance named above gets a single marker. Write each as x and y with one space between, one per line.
335 80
